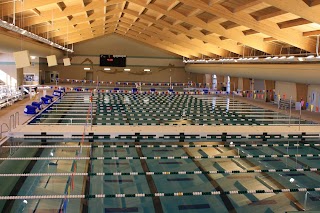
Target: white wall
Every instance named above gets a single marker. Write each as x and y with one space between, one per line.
139 56
287 88
8 72
33 69
115 44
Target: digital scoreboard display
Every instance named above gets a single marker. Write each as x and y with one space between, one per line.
113 60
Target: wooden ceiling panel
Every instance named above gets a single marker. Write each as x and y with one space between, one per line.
209 27
185 10
164 4
151 13
207 17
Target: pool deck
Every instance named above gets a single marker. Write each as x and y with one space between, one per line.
159 130
70 130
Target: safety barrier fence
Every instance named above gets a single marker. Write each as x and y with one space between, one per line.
160 194
163 158
160 173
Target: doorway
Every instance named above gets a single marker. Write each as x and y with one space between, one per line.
47 76
89 76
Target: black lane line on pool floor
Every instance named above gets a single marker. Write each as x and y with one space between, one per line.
152 186
15 190
225 199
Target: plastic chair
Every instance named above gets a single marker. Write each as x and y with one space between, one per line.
31 110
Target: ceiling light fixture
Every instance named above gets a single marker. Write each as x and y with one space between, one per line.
16 29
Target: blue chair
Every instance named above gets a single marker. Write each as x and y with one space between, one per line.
170 91
134 90
116 88
205 91
57 93
152 90
37 104
45 100
31 110
63 89
50 97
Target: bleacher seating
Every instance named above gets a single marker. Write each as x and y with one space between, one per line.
9 95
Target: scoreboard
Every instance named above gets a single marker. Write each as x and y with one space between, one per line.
113 60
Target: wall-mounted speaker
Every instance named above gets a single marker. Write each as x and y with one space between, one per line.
66 62
22 59
52 60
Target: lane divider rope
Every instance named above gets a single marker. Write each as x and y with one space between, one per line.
161 173
160 158
159 194
167 146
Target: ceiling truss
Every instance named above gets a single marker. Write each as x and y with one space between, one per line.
190 28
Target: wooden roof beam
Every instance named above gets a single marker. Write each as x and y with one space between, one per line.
195 12
173 39
229 25
199 46
269 15
312 33
255 42
293 23
172 5
75 21
270 28
269 39
86 2
7 8
312 3
36 11
246 5
61 5
249 32
214 40
71 10
298 7
65 31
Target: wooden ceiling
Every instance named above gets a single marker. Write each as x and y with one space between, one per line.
190 28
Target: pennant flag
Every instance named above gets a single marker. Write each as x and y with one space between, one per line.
317 109
254 97
302 103
307 105
311 107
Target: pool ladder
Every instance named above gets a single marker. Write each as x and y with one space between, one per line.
14 120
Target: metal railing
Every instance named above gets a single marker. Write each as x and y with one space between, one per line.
14 120
1 129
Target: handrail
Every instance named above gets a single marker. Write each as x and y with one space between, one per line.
11 122
1 129
16 115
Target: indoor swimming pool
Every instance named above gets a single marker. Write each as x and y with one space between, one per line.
161 175
154 109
